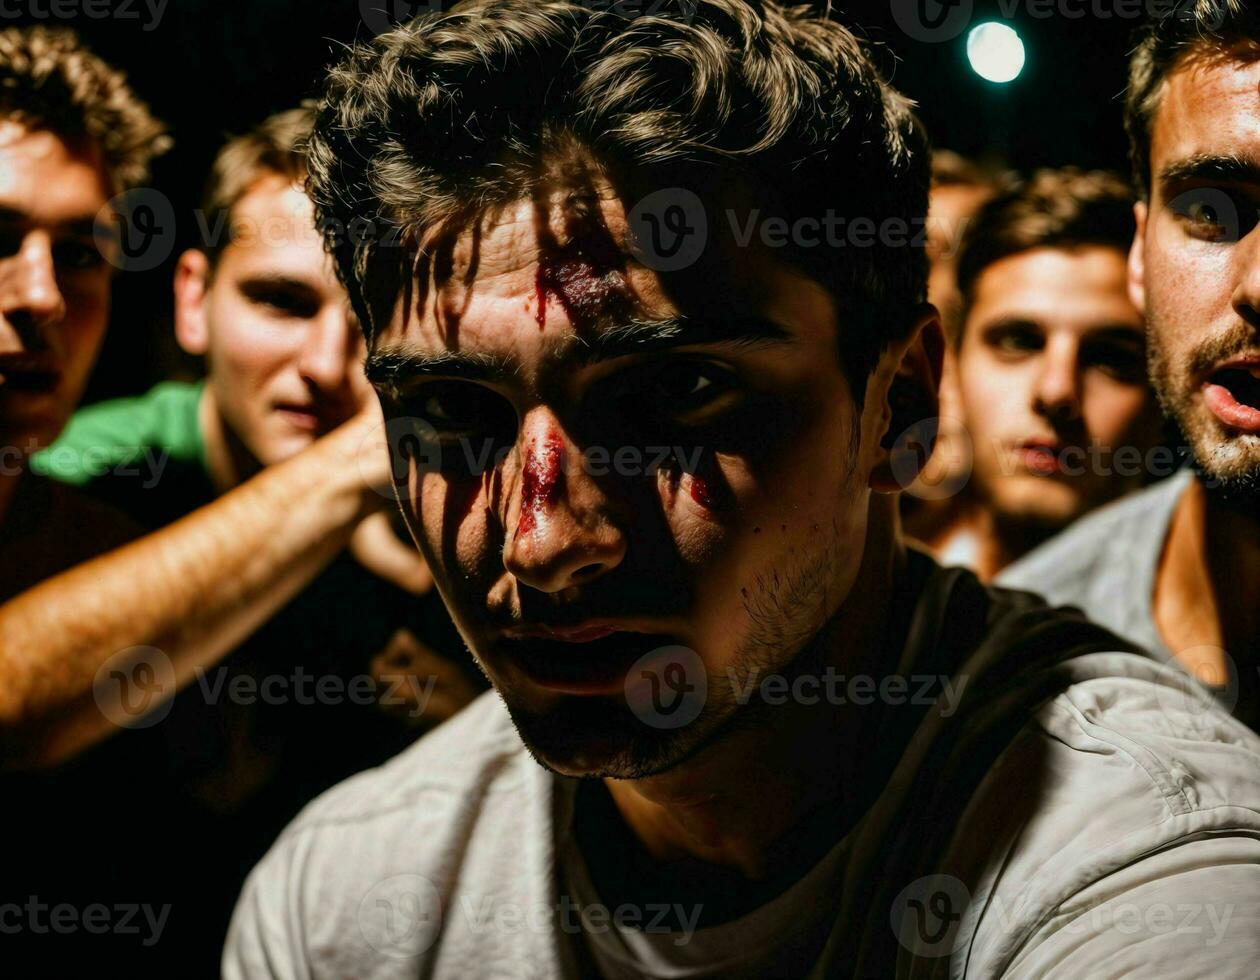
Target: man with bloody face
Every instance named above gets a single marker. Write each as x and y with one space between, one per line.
646 318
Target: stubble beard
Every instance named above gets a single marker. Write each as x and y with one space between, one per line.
1228 466
602 738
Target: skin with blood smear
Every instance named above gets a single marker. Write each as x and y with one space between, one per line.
653 561
540 481
583 286
699 490
704 483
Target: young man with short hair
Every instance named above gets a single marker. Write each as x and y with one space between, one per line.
1177 568
738 729
1051 366
72 136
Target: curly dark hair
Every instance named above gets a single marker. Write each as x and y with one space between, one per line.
50 80
461 110
1193 28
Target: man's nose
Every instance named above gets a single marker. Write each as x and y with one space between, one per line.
329 352
561 530
1058 392
1245 298
30 299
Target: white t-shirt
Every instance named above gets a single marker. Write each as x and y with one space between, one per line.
780 939
1075 812
1106 562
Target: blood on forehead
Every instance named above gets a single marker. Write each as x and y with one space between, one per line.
580 265
582 288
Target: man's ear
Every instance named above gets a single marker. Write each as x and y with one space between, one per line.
911 404
192 279
1137 259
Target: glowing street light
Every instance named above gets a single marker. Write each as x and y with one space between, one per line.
995 51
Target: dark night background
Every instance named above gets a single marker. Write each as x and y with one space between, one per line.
211 68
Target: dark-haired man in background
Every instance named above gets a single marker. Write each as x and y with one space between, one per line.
1177 568
739 729
1051 366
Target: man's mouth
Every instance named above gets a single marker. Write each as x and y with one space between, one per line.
1040 456
306 417
29 373
1232 393
586 659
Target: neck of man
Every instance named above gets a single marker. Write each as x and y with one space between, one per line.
1207 587
1003 540
737 802
230 463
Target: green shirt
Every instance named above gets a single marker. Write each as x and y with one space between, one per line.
146 455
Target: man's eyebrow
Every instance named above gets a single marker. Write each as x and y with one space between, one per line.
83 226
389 367
648 336
1224 167
276 280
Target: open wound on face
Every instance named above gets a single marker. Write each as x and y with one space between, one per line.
585 272
582 285
540 480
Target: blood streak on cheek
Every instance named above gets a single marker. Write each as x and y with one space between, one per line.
540 481
698 487
704 484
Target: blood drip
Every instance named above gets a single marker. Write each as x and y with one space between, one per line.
540 293
540 481
699 491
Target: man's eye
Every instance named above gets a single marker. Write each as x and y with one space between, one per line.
460 409
1214 215
690 392
685 384
10 242
295 303
1016 341
77 255
1124 362
290 305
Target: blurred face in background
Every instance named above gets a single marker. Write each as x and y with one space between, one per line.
1196 265
284 356
1052 375
54 281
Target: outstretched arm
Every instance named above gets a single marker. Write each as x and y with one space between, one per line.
195 590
